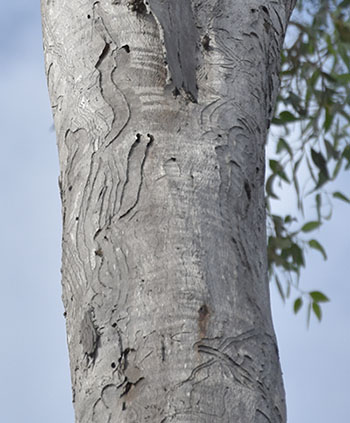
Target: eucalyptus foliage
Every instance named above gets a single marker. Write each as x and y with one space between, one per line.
312 119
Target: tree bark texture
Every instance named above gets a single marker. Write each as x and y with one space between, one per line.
161 110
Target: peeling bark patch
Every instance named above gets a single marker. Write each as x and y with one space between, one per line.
89 336
180 38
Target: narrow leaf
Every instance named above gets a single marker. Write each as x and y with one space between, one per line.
310 226
317 310
343 78
297 305
318 205
269 187
331 151
346 153
320 162
341 196
337 168
283 145
313 243
277 168
287 117
318 297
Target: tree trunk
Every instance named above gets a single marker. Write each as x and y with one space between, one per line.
161 111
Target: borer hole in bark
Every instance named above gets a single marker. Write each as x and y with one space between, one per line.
176 92
203 311
126 48
206 42
99 252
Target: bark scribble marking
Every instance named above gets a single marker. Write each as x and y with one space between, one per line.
110 91
134 174
103 55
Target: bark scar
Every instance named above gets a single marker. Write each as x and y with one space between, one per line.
178 27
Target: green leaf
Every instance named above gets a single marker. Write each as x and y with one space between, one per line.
312 81
343 78
286 116
318 297
283 145
343 53
331 151
341 196
282 243
277 169
289 219
296 183
269 188
318 205
320 162
297 254
322 179
311 226
328 118
297 305
346 155
337 168
313 243
317 310
343 28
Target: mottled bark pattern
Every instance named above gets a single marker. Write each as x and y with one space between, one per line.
161 111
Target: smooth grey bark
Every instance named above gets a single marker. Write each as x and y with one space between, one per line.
161 111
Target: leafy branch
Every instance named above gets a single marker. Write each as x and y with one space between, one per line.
312 120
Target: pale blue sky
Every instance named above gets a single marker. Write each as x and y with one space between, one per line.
35 381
